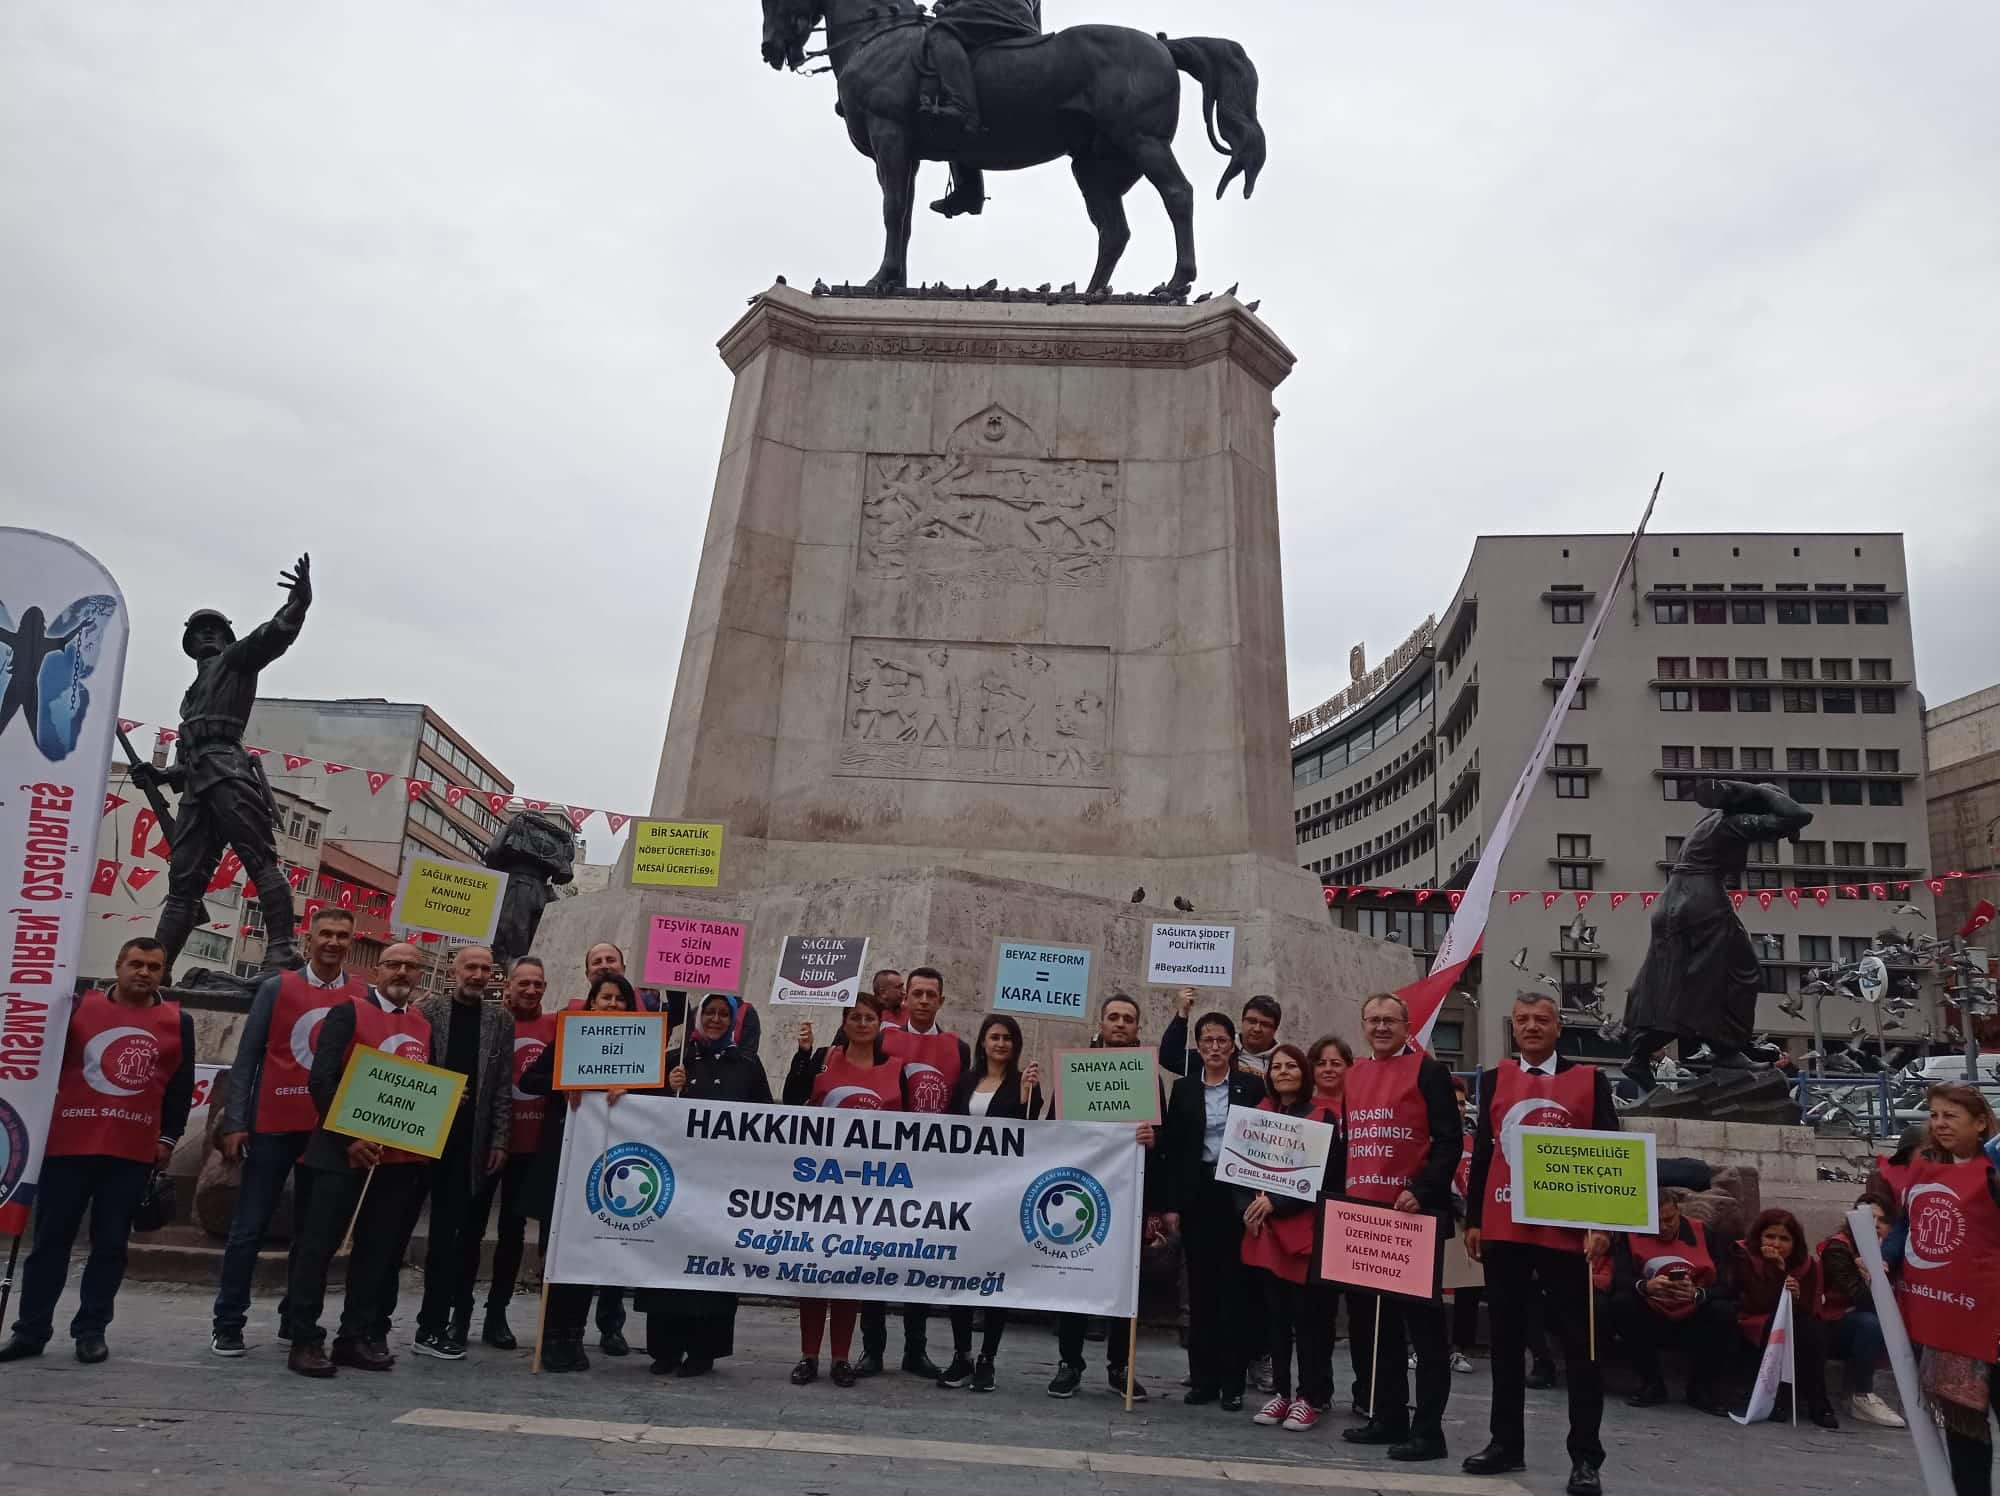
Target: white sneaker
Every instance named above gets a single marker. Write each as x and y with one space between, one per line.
1868 1408
1461 1363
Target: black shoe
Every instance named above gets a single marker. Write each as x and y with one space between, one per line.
806 1371
917 1364
1584 1480
1493 1460
1195 1397
361 1355
957 201
309 1361
378 1348
1413 1450
457 1342
1066 1380
440 1345
1824 1416
17 1349
285 1333
460 1329
1115 1375
1542 1376
1651 1395
982 1374
1703 1402
696 1366
870 1365
612 1343
1374 1431
843 1374
91 1349
496 1333
1232 1402
664 1366
226 1343
956 1375
562 1353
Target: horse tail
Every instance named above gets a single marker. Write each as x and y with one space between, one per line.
1228 96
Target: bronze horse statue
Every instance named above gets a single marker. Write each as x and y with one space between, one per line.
1107 97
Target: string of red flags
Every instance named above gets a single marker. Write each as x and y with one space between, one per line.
413 790
1617 899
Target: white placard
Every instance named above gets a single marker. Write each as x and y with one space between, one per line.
1192 956
1274 1152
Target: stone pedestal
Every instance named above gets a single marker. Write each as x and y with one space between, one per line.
988 634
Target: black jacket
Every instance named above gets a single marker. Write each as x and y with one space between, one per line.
1181 1135
1175 1048
805 1070
1006 1101
328 1150
538 1194
735 1074
1603 1117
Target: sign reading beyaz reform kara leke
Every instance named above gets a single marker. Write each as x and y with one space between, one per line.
1042 981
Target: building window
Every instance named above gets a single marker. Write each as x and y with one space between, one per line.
312 833
298 825
1676 789
1773 978
1676 700
1798 699
1711 667
1574 875
1885 792
1757 758
1795 669
1809 854
1828 610
1758 877
1806 791
1844 760
1747 610
1892 854
1572 846
1793 612
1816 949
1752 699
1579 980
1752 669
1718 758
1572 755
1850 854
1573 786
1669 612
1836 670
1843 792
1561 612
1871 612
1674 845
1885 761
1677 757
1877 670
1713 699
1802 758
1581 701
1711 611
1877 703
1838 701
1762 851
1671 667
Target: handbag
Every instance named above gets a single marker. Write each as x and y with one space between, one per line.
156 1207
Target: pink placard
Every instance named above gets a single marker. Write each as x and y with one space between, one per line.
1373 1247
696 955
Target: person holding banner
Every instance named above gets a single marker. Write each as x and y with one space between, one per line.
1207 1214
1773 1261
1665 1295
607 959
122 1100
1277 1251
687 1332
269 1117
534 1031
855 1074
375 1192
1539 1089
996 1086
1403 1141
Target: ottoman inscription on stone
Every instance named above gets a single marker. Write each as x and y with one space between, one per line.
1006 714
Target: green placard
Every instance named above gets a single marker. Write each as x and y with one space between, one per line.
383 1099
1107 1085
1598 1181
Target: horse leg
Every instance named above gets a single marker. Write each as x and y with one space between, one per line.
1104 184
1155 157
896 170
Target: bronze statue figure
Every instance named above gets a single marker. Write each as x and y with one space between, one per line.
1700 977
534 852
980 86
226 802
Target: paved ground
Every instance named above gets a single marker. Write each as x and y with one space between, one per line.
163 1416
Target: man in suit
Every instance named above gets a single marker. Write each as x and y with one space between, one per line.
1537 1090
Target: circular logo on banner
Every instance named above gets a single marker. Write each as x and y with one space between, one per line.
13 1150
1065 1213
1937 1225
407 1047
630 1186
119 1061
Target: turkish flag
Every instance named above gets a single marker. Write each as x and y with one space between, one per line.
111 802
617 821
296 761
1618 900
1455 897
1935 885
1736 898
418 787
160 849
346 897
1423 897
1877 891
578 814
1584 898
1852 890
300 877
334 768
107 876
227 872
1549 900
1383 893
1902 890
126 724
453 793
1823 896
310 908
376 779
535 804
139 877
1646 899
1982 916
1515 898
258 752
169 735
142 828
1793 895
1764 897
1328 895
497 803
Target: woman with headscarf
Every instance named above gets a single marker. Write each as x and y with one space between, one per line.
688 1330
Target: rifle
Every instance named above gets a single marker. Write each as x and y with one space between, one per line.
161 812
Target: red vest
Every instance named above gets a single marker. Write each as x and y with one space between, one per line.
406 1035
115 1067
1566 1099
1949 1291
283 1103
1462 1176
931 1061
1285 1244
1388 1128
876 1089
1653 1255
530 1039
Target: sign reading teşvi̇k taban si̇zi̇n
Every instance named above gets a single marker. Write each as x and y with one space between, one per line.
676 854
694 955
62 641
401 1103
459 900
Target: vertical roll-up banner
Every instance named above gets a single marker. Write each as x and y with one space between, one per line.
62 660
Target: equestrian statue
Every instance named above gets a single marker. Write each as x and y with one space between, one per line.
979 85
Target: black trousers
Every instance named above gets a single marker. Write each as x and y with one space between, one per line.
875 1329
504 1189
1073 1329
110 1189
1218 1290
1295 1316
1972 1459
1708 1336
1514 1271
1407 1325
989 1336
374 1264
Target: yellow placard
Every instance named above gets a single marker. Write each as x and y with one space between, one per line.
401 1103
458 899
676 854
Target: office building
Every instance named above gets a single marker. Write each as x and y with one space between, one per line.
1773 657
1962 740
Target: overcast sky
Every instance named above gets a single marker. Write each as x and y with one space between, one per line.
432 287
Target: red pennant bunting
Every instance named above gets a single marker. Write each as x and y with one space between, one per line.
255 752
1549 900
1849 890
578 814
299 877
1935 885
1877 891
169 735
1515 898
1792 894
334 768
112 915
139 877
310 908
1328 895
376 779
1736 899
1646 899
1982 916
1902 890
111 802
160 849
142 828
127 724
1954 875
535 804
346 896
1423 897
107 876
1822 896
227 872
1355 893
417 789
295 762
453 793
1455 897
1618 900
617 821
1584 898
1383 893
498 803
249 930
1764 897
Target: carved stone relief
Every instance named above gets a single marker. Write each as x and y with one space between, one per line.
1007 714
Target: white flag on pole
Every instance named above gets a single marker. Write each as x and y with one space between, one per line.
1777 1366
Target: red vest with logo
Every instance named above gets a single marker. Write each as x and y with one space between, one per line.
530 1039
1566 1099
879 1088
116 1064
1653 1255
406 1035
1950 1287
283 1102
1388 1128
930 1061
1285 1244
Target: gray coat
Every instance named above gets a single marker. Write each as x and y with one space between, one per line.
493 1123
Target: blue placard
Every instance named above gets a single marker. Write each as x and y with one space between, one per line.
1041 980
611 1051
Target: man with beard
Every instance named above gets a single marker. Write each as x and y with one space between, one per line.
385 1184
534 1031
1117 1028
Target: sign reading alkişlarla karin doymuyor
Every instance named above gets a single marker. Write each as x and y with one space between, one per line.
819 1202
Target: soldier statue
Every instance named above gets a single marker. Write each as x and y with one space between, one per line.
226 802
535 853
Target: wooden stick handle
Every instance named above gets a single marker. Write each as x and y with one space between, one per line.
1374 1355
541 1322
348 1240
1131 1356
